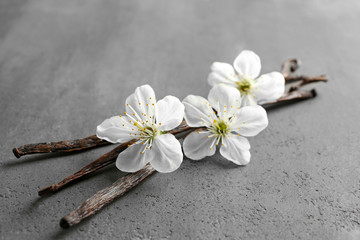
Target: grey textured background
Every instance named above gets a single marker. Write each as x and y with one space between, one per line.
67 65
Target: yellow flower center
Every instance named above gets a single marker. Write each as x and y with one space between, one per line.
147 133
220 128
244 85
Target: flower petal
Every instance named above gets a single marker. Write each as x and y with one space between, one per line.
248 64
236 149
168 155
249 121
225 100
131 160
248 100
198 145
222 73
142 101
169 113
198 111
115 130
223 69
214 79
269 87
132 104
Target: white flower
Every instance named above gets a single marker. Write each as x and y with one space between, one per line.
225 127
243 76
147 121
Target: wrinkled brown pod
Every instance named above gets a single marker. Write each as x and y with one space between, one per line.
101 162
62 146
106 196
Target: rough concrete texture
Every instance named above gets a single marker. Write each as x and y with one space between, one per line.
67 65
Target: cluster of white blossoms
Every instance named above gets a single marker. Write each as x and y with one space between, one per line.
228 116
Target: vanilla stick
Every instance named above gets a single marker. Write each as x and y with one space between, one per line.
106 196
62 146
101 162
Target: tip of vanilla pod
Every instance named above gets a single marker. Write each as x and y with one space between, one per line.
313 92
16 152
64 223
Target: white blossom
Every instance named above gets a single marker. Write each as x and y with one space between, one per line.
243 75
226 127
147 121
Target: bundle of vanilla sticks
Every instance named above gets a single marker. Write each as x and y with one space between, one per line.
294 93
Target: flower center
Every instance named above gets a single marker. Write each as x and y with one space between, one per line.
144 128
220 128
147 133
244 85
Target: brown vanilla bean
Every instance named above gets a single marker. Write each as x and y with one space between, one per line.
297 95
290 66
65 146
62 146
293 96
106 196
101 162
305 79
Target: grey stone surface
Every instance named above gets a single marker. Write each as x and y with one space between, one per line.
67 65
